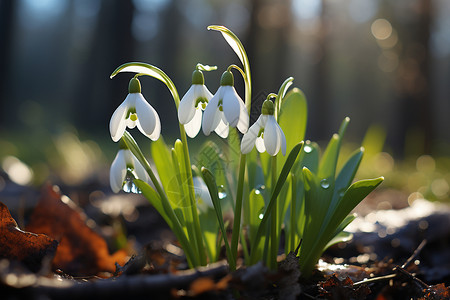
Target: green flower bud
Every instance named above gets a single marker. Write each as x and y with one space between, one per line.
197 77
227 78
268 108
134 86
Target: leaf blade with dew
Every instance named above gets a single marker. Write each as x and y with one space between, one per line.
275 191
214 193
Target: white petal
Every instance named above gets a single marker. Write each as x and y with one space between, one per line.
118 172
231 107
272 136
259 143
148 119
186 109
283 140
193 126
243 118
139 170
249 138
203 91
210 121
201 191
117 124
222 129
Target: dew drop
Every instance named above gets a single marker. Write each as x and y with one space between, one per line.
342 192
261 216
221 191
129 186
260 189
307 149
324 183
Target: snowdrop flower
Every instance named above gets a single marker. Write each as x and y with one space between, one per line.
202 194
135 111
193 103
125 162
265 133
225 108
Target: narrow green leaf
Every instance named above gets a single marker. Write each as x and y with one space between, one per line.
238 48
352 197
275 191
292 119
256 209
164 165
152 71
329 160
162 205
212 188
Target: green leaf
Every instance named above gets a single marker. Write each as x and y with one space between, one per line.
352 197
209 225
327 168
213 192
343 181
162 205
256 209
238 48
275 191
281 93
162 159
152 71
292 119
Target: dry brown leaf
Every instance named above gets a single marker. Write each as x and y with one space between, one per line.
81 251
437 292
26 247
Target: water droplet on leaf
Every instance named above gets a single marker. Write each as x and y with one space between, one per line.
307 149
261 216
222 192
324 183
129 186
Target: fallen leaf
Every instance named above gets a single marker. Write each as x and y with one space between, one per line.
26 247
335 288
437 292
81 251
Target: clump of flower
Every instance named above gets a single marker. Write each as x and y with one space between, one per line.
265 190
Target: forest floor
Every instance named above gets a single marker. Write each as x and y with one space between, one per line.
400 250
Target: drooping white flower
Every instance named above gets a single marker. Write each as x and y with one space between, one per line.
193 103
225 109
125 162
202 194
265 133
135 111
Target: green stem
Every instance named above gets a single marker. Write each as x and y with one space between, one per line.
238 207
178 229
273 221
197 229
293 210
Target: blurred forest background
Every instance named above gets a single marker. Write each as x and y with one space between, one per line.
383 63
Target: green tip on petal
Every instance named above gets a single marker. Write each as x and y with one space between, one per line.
134 86
197 77
268 108
227 78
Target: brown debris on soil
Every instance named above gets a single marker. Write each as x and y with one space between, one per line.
81 251
26 247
